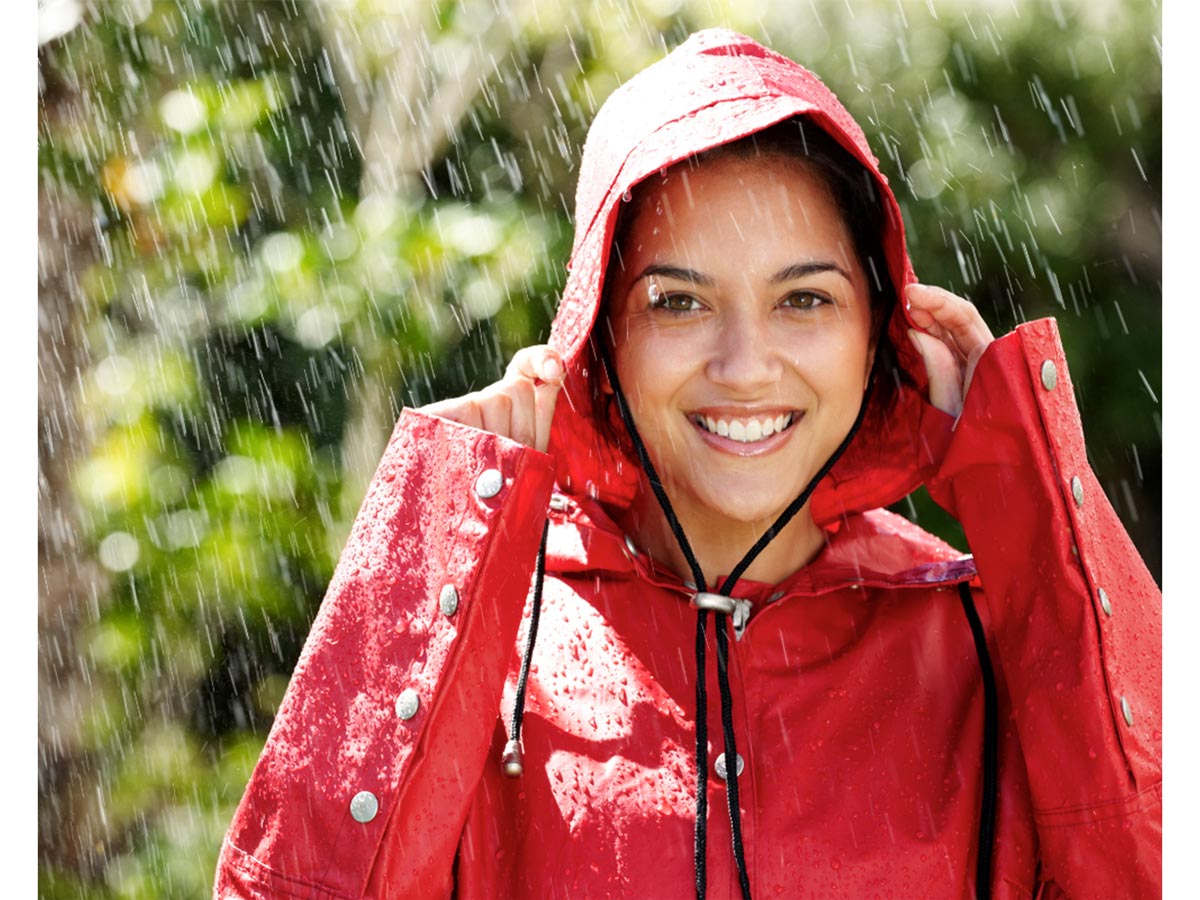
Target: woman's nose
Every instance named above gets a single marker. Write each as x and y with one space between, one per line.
744 356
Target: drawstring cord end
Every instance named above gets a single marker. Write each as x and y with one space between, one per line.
511 760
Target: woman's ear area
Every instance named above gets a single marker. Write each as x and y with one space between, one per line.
871 350
880 316
603 332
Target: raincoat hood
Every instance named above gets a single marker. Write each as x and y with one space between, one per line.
716 88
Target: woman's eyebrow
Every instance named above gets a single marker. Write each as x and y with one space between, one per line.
678 272
800 270
788 273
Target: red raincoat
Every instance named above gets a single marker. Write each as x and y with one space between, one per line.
858 703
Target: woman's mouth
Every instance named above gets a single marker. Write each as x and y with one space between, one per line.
744 429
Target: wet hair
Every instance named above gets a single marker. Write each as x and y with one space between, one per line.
854 192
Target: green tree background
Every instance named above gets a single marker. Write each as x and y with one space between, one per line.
267 226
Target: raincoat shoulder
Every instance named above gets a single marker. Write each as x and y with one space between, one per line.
390 710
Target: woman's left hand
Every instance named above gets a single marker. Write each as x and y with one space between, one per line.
954 339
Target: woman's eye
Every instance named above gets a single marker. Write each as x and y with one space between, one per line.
806 300
673 302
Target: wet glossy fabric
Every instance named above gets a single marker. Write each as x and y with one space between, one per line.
857 693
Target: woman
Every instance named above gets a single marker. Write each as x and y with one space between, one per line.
731 391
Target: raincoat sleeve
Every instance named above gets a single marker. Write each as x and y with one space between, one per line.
378 746
1077 617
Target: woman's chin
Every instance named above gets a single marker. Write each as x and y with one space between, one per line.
741 512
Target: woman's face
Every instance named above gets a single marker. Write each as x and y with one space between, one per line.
742 334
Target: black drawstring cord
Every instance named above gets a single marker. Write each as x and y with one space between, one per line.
700 857
991 732
701 826
664 502
731 759
513 765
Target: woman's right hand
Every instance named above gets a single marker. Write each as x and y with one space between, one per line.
519 406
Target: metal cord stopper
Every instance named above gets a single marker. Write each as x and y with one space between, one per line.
514 767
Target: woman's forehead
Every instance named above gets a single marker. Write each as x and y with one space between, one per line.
769 204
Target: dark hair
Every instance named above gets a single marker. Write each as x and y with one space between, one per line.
854 192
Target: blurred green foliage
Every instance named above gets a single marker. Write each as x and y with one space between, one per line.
245 286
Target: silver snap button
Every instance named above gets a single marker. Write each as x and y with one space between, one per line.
1104 603
1127 712
489 483
558 502
448 600
1077 490
407 704
778 595
364 807
631 546
723 771
1049 375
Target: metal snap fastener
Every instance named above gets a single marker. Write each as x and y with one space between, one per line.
407 704
364 807
631 546
1049 375
1077 490
489 483
448 600
1104 602
778 595
558 503
723 771
1127 712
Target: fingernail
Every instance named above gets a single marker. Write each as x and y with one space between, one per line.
551 369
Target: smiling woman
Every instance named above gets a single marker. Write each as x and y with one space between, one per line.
739 301
742 374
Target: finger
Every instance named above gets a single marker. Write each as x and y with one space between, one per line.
945 372
496 409
543 368
522 413
969 373
961 321
537 364
464 410
959 318
545 396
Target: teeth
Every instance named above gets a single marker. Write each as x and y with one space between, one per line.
745 431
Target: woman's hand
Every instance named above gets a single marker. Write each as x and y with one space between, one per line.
955 337
518 406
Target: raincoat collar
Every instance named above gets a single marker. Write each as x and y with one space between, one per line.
876 549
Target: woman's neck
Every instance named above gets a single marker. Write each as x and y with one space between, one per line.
719 545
